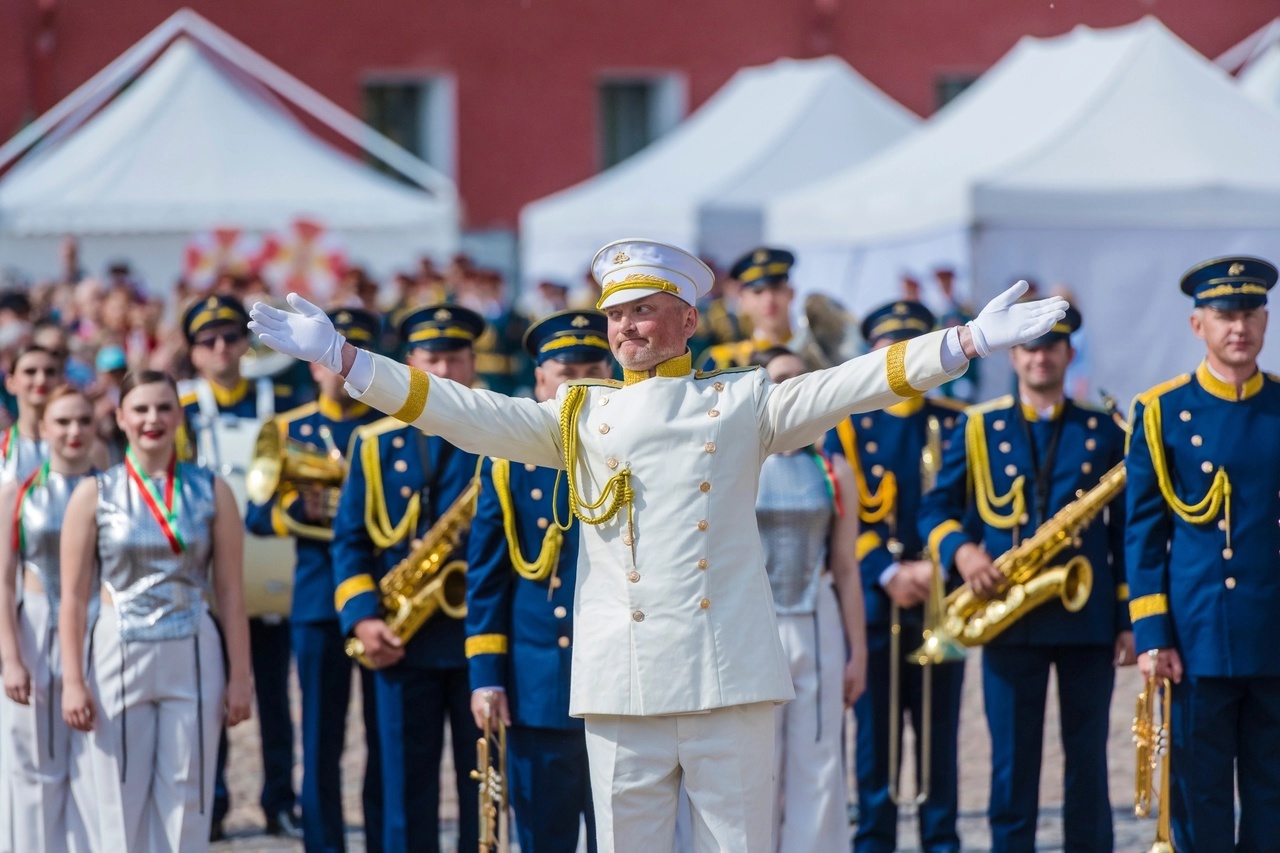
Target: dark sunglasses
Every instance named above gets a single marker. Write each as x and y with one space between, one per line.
229 338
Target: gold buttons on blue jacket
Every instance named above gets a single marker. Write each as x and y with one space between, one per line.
564 642
560 612
536 494
401 466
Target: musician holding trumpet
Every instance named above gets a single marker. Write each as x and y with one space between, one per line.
1017 470
1201 545
401 482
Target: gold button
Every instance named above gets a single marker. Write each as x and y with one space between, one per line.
1231 583
604 428
1196 441
1222 524
702 525
702 564
1206 466
706 487
719 386
611 462
878 470
530 467
1011 470
397 442
560 612
705 603
1092 423
401 466
634 577
626 539
536 494
714 413
1090 444
1024 518
305 429
872 447
998 425
638 616
1184 415
542 523
564 642
556 582
1086 468
710 447
406 492
1005 447
1227 553
604 401
866 422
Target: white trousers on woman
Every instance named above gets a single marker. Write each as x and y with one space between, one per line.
154 745
810 793
46 813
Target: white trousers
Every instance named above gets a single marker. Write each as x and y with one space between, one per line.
809 782
46 814
723 757
154 745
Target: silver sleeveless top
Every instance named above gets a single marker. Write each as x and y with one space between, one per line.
794 512
43 508
25 456
157 594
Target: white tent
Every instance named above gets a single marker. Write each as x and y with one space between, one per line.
1108 161
769 129
201 139
1256 63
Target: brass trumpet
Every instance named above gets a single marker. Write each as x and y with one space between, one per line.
1152 742
280 462
491 773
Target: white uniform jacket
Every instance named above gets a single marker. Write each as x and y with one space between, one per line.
690 626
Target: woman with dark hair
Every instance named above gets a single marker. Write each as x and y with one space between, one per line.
809 546
162 536
37 740
34 374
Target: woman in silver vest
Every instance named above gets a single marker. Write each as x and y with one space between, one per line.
46 815
165 541
33 376
809 545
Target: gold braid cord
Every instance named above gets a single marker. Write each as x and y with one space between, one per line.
376 516
1217 499
617 491
975 436
872 507
541 568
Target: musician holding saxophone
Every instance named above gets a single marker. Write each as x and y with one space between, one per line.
1203 500
401 482
1015 470
887 452
293 487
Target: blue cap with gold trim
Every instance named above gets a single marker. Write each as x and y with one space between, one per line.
441 327
357 325
573 337
897 321
1230 284
763 267
213 311
1061 330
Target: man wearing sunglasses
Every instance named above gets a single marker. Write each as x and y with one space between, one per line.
220 400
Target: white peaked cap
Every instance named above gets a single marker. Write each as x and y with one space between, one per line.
634 268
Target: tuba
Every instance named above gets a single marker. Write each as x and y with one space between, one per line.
427 580
281 463
491 773
1152 742
936 648
974 621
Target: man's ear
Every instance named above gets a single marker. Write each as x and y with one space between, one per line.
1197 325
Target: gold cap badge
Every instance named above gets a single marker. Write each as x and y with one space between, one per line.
579 321
760 256
621 258
1235 269
343 317
900 308
442 315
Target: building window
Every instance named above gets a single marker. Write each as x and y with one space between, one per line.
635 111
949 86
417 114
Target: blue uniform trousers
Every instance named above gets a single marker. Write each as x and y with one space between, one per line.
877 815
1216 723
1015 680
413 705
550 788
324 676
270 650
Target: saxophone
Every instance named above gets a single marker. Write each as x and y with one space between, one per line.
973 621
427 580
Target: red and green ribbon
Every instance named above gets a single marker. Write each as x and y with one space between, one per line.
164 510
833 486
9 442
37 478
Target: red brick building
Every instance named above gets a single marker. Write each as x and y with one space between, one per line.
518 98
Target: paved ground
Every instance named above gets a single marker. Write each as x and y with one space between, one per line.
245 822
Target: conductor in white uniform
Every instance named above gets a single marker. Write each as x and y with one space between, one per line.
676 663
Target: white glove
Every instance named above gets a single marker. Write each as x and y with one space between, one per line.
1006 323
307 335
